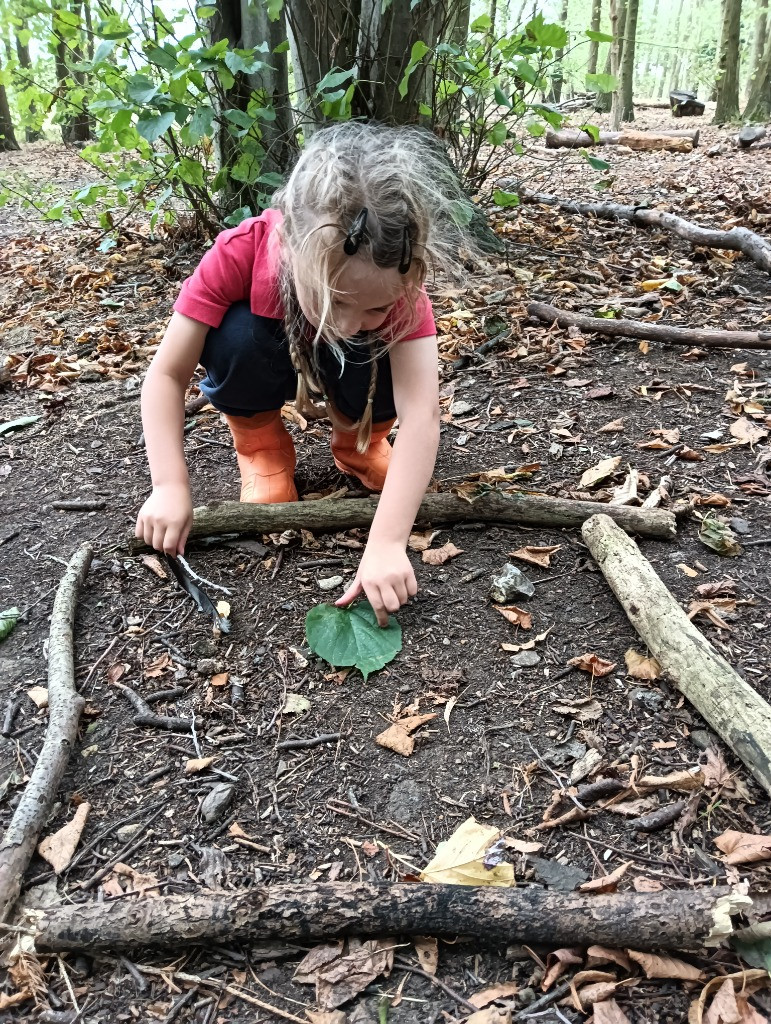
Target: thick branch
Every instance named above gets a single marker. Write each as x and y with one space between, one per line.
742 240
730 706
651 332
671 920
673 142
64 708
496 507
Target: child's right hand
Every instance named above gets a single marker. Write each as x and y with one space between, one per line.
165 519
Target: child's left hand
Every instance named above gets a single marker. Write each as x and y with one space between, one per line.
387 578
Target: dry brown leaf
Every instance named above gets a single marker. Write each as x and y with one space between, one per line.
596 992
136 881
656 446
522 846
58 848
422 541
593 664
427 949
460 860
117 671
712 500
614 427
606 955
603 469
535 555
609 1012
516 616
745 982
606 883
632 808
438 556
723 1008
157 667
656 966
687 570
326 1016
671 436
587 708
39 696
557 963
489 995
711 610
15 999
720 588
197 764
647 884
743 847
638 666
716 772
220 679
398 737
342 979
747 432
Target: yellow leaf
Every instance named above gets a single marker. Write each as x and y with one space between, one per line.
459 860
601 471
640 667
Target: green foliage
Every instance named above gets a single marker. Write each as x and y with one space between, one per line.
351 637
8 620
602 83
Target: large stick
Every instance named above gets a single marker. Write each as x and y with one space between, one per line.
685 919
498 507
729 704
651 332
755 247
64 708
673 142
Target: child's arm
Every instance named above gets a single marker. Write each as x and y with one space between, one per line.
164 519
385 573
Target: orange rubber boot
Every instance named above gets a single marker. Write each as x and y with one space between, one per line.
266 457
371 466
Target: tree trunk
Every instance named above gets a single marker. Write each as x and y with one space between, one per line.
682 62
760 39
617 49
558 77
25 63
7 133
685 919
672 142
615 52
460 22
628 64
79 126
322 36
727 108
594 47
759 101
671 58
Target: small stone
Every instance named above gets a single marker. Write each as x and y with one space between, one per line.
650 700
713 435
510 583
562 754
461 408
330 583
701 739
524 659
739 525
208 666
216 801
126 831
526 996
405 802
562 877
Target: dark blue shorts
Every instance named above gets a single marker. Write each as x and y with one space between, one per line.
249 370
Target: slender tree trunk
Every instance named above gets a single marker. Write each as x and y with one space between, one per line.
679 80
615 52
651 52
25 63
759 102
459 22
628 65
322 36
79 129
728 64
493 16
666 82
559 77
7 133
594 47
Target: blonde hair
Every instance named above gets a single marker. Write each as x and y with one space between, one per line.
404 180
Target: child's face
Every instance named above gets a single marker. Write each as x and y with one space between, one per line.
366 295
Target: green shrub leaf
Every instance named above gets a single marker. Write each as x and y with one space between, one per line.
8 620
602 83
351 636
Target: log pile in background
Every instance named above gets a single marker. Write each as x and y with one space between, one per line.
672 142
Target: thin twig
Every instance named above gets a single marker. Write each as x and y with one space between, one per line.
404 965
313 741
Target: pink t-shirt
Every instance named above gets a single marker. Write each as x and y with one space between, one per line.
243 265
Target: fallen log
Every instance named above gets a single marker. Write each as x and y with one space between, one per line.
650 332
232 517
673 142
750 133
683 919
64 708
729 705
754 246
685 104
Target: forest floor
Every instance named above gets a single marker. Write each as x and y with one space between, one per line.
80 327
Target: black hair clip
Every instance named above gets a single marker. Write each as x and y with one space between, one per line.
406 260
355 233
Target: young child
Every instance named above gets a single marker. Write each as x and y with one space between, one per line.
321 295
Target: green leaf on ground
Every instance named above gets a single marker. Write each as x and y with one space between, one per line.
755 952
8 620
23 421
351 636
720 537
502 198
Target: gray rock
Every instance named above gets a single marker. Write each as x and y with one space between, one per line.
524 659
330 583
216 801
702 739
565 753
510 583
649 700
126 831
406 801
739 525
562 877
460 408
